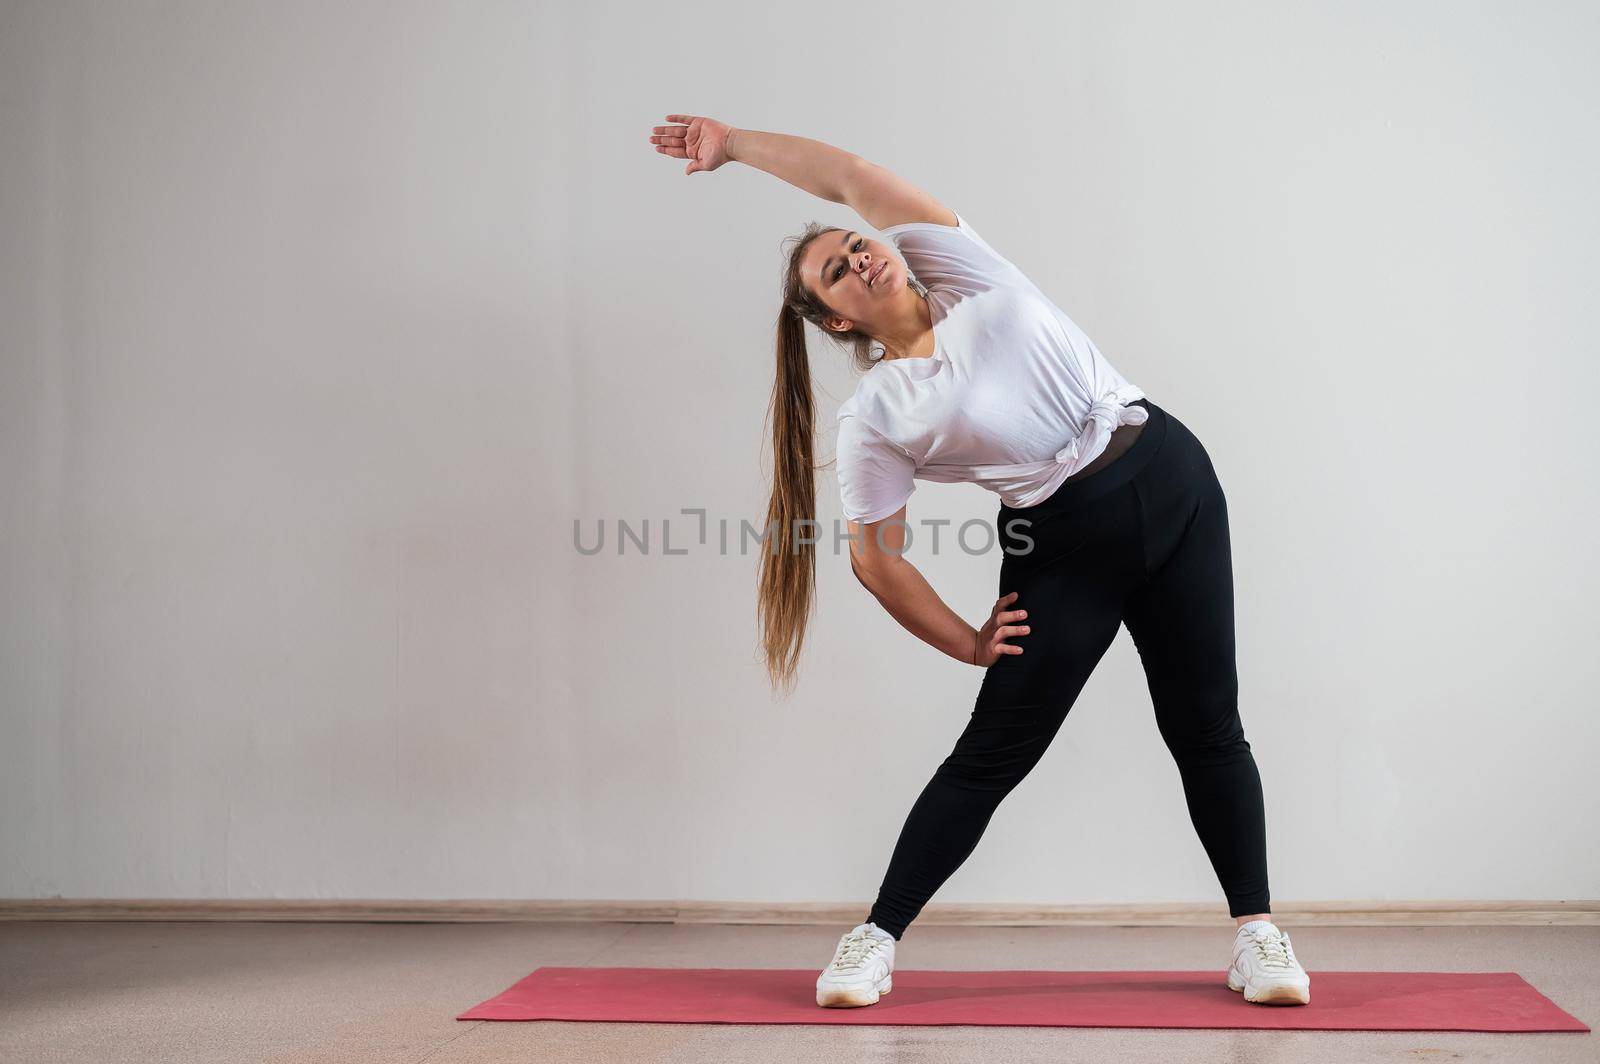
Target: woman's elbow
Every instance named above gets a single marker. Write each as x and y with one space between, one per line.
859 568
871 570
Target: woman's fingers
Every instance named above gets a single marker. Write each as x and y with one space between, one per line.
674 141
1010 631
669 140
1011 616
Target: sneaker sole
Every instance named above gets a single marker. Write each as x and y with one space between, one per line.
1273 995
854 997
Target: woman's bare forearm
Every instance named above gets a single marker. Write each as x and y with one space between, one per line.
818 168
910 599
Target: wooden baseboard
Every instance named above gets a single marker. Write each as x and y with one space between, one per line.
1177 914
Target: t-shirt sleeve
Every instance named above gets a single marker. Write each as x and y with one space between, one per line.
952 256
874 474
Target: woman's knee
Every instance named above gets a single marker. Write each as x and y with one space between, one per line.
997 756
1216 738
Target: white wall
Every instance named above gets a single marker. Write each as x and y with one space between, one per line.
322 323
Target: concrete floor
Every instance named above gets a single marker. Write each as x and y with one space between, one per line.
296 993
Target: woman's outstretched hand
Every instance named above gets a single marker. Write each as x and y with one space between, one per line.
703 141
989 642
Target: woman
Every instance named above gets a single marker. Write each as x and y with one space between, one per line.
1110 514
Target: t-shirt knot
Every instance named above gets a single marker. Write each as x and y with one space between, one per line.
1105 416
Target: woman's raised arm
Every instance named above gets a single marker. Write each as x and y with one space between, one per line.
818 168
880 196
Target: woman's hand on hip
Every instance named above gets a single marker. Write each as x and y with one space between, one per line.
703 141
989 642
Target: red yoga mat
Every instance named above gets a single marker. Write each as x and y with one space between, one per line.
1340 1001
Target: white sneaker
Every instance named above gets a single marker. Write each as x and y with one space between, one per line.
1265 968
861 968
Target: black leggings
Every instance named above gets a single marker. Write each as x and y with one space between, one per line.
1142 541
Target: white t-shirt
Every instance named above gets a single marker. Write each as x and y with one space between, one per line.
1015 396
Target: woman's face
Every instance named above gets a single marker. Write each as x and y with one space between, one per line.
854 275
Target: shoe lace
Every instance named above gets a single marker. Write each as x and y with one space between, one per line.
1273 949
855 949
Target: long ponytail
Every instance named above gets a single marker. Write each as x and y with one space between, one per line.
787 586
786 590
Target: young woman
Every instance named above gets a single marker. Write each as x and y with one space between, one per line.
1110 515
